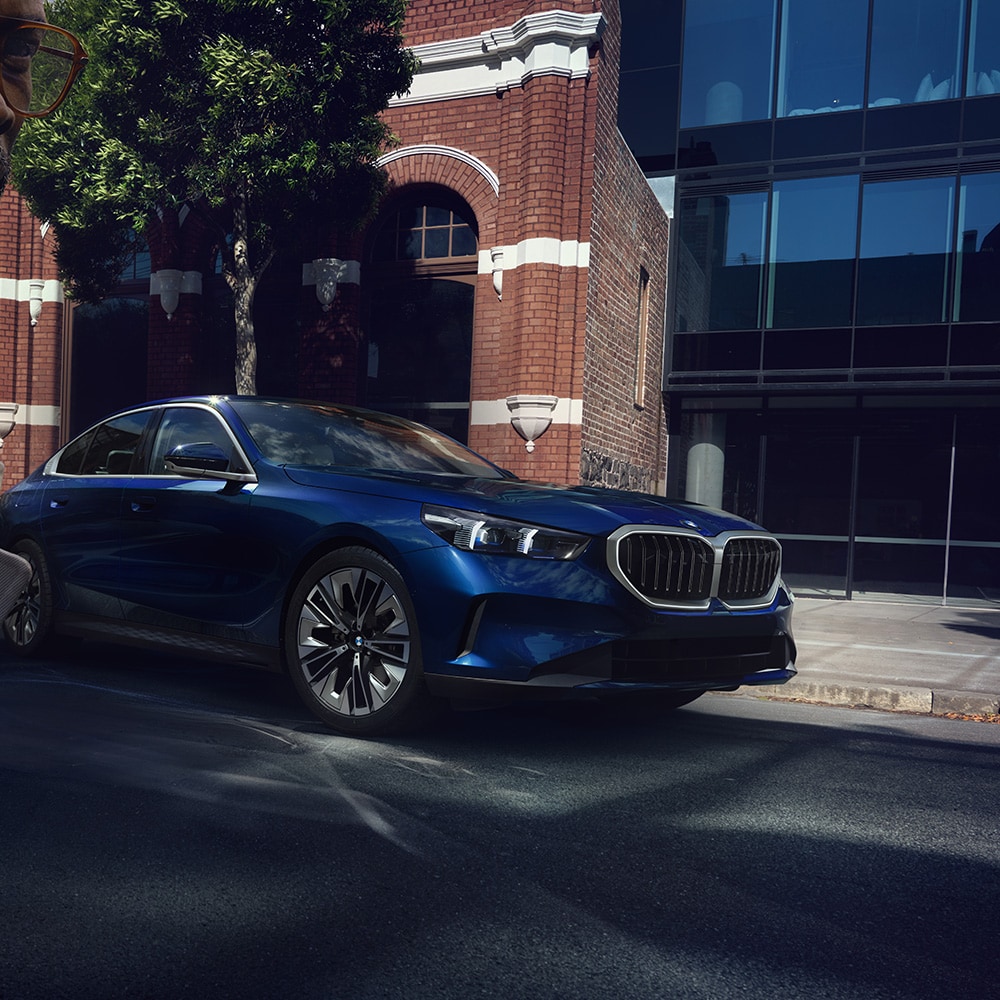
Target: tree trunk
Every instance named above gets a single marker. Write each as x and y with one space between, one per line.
242 278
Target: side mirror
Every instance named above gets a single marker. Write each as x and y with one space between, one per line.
204 460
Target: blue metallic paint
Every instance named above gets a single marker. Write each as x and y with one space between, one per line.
221 559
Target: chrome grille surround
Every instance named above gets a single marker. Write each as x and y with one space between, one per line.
678 568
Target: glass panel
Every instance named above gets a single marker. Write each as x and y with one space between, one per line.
807 495
883 569
650 33
813 239
815 568
647 111
437 216
720 460
822 57
905 244
436 242
976 295
410 217
409 245
728 55
420 352
975 508
974 559
719 274
463 241
916 51
903 476
984 49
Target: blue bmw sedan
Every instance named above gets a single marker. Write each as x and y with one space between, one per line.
383 565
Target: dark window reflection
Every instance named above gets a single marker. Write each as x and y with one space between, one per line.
823 57
813 240
903 475
975 511
720 264
977 295
905 244
728 55
915 51
807 480
647 112
984 49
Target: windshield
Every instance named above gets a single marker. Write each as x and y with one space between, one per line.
334 437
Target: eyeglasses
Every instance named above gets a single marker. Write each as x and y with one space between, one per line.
38 64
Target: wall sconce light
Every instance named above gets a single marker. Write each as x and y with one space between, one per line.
7 413
531 416
170 284
326 273
496 256
168 287
35 291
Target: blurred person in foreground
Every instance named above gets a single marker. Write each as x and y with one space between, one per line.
38 64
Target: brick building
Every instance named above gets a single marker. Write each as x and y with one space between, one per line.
510 290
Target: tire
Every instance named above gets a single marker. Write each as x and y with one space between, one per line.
28 626
352 647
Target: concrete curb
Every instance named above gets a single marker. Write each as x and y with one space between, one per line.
921 701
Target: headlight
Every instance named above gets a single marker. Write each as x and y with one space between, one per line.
475 532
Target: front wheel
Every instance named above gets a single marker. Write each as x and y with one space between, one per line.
352 647
29 622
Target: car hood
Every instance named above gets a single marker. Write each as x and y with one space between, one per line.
590 510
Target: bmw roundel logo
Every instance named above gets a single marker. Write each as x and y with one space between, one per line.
689 524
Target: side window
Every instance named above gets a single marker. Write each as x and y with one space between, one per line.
112 447
71 460
187 425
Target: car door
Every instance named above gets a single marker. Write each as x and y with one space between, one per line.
191 558
81 514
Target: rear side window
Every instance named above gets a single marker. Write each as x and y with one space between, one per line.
106 450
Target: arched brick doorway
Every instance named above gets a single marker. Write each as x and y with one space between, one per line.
419 308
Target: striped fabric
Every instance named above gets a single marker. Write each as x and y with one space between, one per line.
15 573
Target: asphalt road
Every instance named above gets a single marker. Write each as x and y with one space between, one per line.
175 829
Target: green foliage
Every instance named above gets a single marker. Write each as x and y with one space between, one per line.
263 110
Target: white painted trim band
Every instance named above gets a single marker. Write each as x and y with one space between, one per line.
540 250
551 43
346 272
37 416
14 290
496 411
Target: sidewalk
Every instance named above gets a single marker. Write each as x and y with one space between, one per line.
896 657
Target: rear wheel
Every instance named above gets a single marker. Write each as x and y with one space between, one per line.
29 623
351 644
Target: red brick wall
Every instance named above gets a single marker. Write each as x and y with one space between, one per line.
558 329
623 445
30 356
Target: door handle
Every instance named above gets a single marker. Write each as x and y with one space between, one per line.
57 503
142 504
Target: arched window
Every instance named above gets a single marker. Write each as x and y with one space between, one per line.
420 292
424 233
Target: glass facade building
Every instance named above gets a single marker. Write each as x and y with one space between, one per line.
833 348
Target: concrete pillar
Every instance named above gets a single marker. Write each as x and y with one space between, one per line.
706 459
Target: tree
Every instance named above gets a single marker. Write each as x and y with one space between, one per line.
258 113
